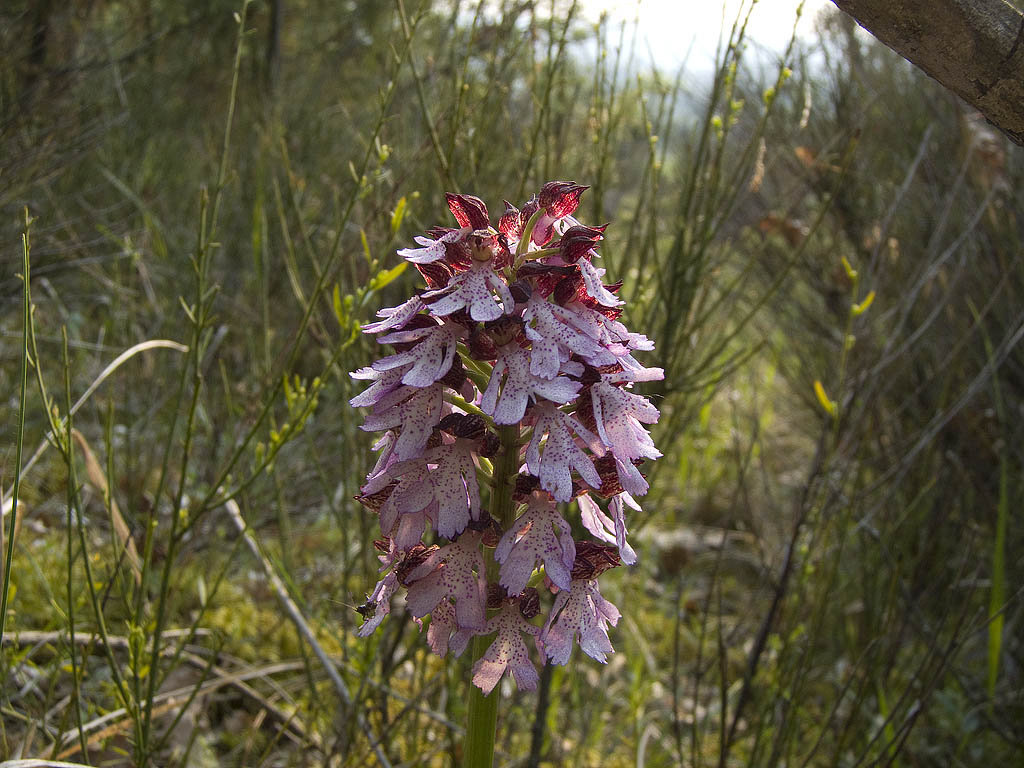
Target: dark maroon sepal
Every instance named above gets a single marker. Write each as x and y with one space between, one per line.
521 291
496 595
481 345
436 274
375 501
577 241
593 559
459 254
488 527
490 446
413 559
525 485
511 222
456 375
502 253
505 329
570 288
465 425
536 269
468 210
561 198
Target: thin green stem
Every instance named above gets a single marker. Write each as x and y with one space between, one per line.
435 140
64 442
208 502
524 240
20 435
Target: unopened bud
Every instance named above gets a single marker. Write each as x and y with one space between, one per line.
560 198
593 559
529 603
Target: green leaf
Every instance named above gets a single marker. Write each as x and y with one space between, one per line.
339 312
387 276
823 398
366 245
398 215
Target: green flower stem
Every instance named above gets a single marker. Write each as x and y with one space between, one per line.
524 240
465 405
505 471
483 718
483 710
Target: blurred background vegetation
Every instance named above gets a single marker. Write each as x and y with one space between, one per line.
826 579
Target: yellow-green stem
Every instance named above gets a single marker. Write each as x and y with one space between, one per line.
483 710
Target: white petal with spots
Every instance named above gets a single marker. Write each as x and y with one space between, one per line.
455 572
507 652
561 453
454 486
432 250
541 534
471 290
511 378
429 360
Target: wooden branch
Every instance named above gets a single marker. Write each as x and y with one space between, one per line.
975 48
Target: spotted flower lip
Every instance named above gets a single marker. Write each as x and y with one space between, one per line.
471 290
561 452
582 613
507 652
510 389
540 533
456 572
512 385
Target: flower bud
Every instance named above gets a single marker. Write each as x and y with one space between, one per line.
525 485
436 274
577 241
593 559
495 595
375 501
504 329
481 345
511 222
560 198
414 558
490 446
464 425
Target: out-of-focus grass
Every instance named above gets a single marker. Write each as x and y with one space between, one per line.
813 590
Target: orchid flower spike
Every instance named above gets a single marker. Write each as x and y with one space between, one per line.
506 400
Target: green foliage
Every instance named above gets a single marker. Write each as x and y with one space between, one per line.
830 573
